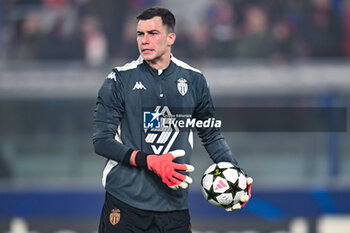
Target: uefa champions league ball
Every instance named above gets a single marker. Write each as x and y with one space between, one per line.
223 184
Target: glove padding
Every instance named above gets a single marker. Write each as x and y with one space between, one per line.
164 167
244 198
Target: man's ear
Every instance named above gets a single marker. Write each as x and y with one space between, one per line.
171 38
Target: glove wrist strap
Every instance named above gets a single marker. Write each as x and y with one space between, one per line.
139 159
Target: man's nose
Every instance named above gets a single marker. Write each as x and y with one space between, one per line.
145 39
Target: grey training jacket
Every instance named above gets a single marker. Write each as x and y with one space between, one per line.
127 102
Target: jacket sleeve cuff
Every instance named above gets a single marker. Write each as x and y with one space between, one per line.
140 159
135 158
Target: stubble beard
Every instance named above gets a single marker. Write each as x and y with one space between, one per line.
158 58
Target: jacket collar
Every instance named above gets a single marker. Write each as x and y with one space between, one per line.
166 72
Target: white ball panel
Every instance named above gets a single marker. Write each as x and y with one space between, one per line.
225 198
242 183
211 201
207 181
231 175
210 168
220 185
225 165
238 196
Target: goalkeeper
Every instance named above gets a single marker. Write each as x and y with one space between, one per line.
146 174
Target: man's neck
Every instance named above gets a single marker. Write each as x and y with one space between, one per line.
161 63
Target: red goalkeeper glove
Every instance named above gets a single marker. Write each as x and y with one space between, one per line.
244 198
164 167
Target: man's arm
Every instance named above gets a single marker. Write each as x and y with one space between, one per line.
214 142
212 139
107 116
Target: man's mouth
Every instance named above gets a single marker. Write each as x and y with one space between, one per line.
146 50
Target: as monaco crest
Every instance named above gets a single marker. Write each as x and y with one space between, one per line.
182 86
114 217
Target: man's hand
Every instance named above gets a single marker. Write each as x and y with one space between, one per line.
164 167
244 198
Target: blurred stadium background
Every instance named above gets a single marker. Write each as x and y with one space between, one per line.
54 55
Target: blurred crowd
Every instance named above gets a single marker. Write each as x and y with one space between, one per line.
95 31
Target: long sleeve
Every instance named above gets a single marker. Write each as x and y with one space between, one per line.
107 117
212 139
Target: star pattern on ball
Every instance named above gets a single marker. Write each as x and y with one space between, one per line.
218 174
233 187
211 194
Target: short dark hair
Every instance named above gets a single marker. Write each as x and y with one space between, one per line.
168 18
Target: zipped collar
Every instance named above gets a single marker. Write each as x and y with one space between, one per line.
166 72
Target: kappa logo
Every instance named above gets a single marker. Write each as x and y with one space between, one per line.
112 76
114 217
139 86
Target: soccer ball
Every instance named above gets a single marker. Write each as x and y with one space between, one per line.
223 184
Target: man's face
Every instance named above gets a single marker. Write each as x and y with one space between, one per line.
153 40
